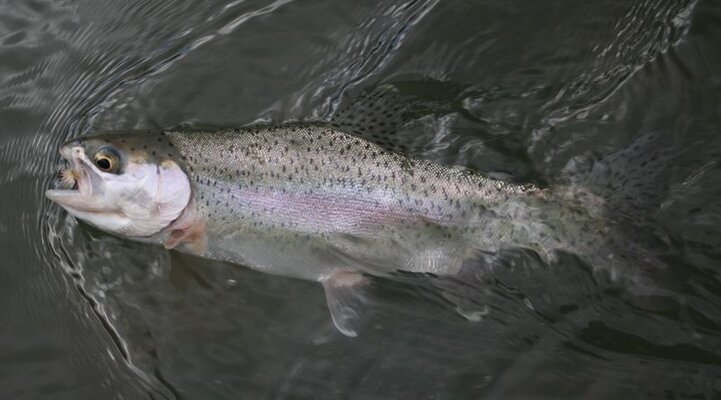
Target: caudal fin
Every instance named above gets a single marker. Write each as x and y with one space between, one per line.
630 184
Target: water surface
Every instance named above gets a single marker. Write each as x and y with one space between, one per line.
521 89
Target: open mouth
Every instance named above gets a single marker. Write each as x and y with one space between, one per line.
73 188
71 174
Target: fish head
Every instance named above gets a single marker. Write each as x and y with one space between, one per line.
130 186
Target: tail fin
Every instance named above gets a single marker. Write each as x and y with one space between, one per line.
631 183
629 187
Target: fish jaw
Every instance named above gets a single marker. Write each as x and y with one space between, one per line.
86 178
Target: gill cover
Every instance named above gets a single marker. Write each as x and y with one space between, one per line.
124 185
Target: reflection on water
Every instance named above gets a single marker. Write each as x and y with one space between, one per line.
517 89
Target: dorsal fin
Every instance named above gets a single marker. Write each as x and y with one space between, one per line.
428 120
375 114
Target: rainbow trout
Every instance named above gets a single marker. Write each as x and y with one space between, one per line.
311 202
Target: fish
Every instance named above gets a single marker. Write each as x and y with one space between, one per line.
315 202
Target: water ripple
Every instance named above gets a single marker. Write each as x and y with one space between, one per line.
480 85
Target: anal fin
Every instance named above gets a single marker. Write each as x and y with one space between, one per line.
345 295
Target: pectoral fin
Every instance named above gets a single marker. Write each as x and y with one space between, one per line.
345 295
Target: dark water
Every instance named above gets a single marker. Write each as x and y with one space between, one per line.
519 89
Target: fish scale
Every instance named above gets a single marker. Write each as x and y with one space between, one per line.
302 200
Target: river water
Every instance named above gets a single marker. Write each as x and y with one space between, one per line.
519 89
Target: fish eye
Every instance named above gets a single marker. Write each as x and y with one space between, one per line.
107 160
